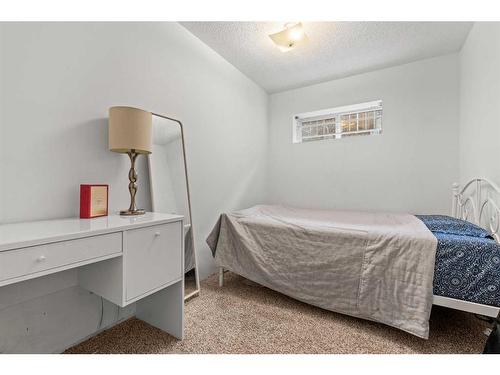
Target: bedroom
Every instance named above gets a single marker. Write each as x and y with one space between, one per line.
309 154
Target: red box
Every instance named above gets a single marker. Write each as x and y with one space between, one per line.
93 201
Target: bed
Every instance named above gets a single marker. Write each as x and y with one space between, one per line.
386 267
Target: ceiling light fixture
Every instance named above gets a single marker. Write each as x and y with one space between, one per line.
290 37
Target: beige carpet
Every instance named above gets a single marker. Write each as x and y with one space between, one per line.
243 317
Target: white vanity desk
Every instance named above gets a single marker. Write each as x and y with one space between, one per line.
122 259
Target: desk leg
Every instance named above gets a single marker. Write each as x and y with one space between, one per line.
164 309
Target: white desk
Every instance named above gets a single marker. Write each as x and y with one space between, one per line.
122 259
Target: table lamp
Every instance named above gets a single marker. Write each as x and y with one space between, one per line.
130 133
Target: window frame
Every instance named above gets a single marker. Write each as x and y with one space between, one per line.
337 112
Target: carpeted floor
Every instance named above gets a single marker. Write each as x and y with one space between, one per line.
243 317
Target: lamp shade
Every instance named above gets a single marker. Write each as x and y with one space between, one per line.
130 129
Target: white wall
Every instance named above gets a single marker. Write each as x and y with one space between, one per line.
480 103
57 82
410 167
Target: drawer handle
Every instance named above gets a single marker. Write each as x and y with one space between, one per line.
157 234
41 258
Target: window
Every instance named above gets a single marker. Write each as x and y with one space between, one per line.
335 123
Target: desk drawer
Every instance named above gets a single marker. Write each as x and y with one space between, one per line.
29 260
153 257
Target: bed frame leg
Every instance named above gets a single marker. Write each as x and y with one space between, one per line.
221 277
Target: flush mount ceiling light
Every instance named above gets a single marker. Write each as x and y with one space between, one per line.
290 37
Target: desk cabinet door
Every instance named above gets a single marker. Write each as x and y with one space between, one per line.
153 258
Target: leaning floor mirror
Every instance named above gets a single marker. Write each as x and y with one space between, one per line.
170 188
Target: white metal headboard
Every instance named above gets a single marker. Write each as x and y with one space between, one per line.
477 202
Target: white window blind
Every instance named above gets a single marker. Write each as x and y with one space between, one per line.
335 123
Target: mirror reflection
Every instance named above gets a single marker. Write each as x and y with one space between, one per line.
170 188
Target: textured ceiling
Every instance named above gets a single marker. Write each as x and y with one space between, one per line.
334 50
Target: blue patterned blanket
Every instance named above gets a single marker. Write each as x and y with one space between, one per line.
467 261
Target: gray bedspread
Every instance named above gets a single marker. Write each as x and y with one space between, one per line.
377 266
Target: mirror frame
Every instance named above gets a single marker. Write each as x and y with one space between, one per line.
196 292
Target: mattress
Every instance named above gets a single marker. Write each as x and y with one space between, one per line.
376 266
379 266
467 266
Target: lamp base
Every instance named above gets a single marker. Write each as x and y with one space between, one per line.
132 212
